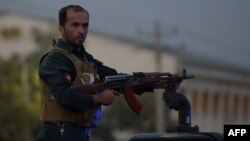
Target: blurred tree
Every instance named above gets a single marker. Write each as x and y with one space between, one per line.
20 103
43 40
18 118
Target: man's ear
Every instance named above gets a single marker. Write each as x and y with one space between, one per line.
61 30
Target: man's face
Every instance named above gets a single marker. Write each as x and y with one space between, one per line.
76 27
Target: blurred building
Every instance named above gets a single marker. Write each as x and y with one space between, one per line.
17 33
218 94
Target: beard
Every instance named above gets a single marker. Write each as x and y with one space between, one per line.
74 40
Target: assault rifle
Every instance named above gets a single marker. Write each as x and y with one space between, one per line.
125 84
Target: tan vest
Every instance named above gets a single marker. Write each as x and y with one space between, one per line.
51 111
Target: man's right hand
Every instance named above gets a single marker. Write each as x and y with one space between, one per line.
106 97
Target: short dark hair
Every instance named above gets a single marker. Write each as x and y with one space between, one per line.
63 12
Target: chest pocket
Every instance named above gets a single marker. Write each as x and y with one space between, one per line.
87 73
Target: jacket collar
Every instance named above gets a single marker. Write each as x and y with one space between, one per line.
64 45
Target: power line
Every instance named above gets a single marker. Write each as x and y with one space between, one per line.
213 42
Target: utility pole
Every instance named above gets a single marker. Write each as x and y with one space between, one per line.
160 121
161 111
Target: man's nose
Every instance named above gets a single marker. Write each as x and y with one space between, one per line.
81 29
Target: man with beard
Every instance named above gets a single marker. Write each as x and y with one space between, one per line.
68 114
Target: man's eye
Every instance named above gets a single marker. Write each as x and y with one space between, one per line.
75 24
86 25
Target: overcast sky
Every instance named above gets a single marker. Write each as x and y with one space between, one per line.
203 25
